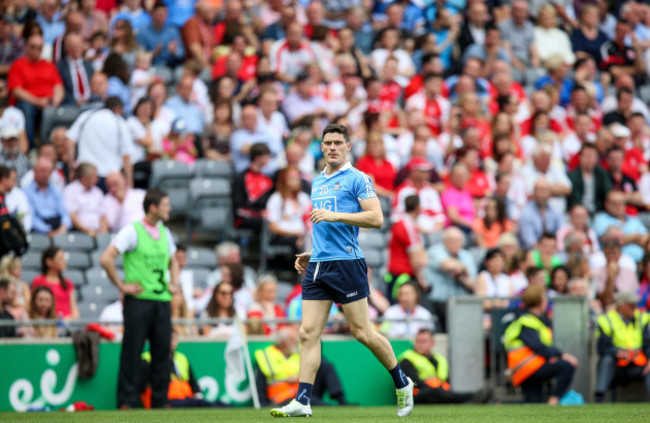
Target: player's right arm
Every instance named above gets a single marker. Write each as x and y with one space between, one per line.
302 260
107 261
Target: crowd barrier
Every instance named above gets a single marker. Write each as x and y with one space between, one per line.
36 374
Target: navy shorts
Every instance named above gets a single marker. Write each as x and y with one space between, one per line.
342 281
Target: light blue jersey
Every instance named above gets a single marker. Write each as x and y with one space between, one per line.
339 192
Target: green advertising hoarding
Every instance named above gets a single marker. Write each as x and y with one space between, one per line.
36 375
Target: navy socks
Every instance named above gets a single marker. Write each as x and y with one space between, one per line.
304 393
399 378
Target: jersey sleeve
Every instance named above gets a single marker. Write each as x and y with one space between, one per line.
126 239
362 187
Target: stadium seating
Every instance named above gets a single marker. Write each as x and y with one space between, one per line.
54 117
38 242
78 260
201 258
31 260
206 168
172 177
210 207
99 293
76 241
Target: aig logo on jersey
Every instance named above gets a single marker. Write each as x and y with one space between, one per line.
327 203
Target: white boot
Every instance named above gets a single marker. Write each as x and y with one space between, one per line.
296 409
405 399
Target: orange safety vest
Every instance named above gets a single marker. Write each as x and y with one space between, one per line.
627 337
522 361
277 368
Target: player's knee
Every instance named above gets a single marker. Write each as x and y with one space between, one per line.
308 335
362 334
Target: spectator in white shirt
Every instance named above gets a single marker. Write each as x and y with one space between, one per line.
18 204
248 134
122 205
543 167
103 139
269 119
406 308
84 202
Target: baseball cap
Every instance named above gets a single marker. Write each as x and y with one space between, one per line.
9 131
626 297
419 163
620 131
179 126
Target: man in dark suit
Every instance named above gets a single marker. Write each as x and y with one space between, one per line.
75 72
473 30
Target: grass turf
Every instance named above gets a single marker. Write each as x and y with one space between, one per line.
622 412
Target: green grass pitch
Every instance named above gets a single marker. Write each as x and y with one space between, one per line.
610 413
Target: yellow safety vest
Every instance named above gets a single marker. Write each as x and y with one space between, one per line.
626 336
179 381
277 368
432 376
522 361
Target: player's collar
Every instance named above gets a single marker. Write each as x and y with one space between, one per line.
346 166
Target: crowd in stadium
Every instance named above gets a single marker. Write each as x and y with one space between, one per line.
509 142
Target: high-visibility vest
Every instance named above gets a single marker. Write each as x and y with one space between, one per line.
277 368
626 336
432 376
179 380
522 361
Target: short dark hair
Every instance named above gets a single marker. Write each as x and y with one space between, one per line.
113 103
259 149
5 171
425 330
548 235
159 5
411 203
588 146
153 197
335 128
4 283
578 87
533 271
615 149
431 75
622 91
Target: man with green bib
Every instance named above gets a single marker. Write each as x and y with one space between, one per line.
150 278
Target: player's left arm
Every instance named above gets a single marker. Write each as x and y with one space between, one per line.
174 274
370 217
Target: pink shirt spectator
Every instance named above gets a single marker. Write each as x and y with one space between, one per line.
87 204
462 200
61 296
185 152
119 214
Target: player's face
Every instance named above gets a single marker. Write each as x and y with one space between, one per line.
335 149
164 208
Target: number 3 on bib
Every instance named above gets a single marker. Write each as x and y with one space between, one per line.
161 281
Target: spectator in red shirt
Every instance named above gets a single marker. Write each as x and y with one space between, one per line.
430 101
634 163
53 264
479 184
251 190
374 164
407 256
621 181
431 217
34 84
265 307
